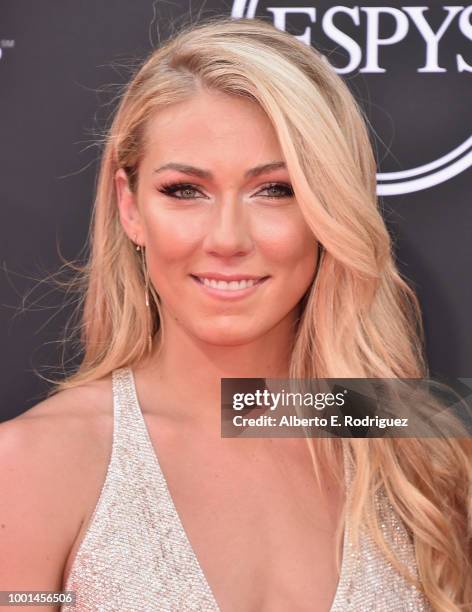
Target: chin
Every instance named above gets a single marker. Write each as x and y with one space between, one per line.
228 333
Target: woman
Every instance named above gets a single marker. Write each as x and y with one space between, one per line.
236 233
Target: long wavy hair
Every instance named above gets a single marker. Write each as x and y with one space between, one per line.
360 318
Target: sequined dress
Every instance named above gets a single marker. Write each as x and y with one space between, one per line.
135 555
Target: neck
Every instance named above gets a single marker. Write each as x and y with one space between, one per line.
183 374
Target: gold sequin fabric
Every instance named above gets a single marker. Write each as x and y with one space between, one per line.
135 555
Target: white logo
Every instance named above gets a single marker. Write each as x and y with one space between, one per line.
5 44
421 177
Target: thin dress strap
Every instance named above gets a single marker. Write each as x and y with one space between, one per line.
135 556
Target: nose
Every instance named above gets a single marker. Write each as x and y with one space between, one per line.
228 231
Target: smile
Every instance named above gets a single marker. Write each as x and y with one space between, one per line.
229 289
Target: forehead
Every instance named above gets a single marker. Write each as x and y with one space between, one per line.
211 125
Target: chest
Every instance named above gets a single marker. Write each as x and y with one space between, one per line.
260 526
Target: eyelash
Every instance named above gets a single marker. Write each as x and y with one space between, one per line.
169 189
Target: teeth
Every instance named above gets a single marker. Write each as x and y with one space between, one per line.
228 286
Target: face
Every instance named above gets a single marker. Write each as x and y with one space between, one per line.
227 248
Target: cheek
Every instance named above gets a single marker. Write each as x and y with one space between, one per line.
171 241
170 238
288 243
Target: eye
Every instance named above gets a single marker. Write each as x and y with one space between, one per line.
170 189
287 191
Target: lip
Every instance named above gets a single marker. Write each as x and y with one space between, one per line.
235 294
227 277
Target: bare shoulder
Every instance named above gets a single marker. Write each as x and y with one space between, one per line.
66 429
77 402
54 458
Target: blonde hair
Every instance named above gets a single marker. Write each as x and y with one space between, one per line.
359 319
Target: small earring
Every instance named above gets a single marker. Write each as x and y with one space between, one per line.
146 287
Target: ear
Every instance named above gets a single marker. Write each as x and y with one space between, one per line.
128 209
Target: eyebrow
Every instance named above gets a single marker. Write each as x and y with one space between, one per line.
206 174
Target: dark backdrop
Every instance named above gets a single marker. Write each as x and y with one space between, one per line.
61 64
